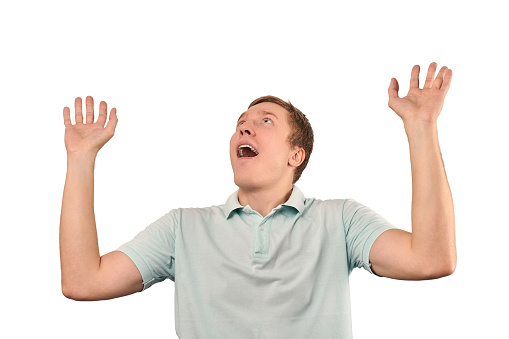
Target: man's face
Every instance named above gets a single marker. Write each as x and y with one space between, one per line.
259 150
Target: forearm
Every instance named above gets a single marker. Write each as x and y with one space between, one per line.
79 249
433 235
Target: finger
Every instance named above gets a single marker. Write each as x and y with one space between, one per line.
90 110
112 122
67 116
78 115
431 74
393 90
440 78
414 78
447 81
101 120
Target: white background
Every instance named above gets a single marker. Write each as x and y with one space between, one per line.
181 72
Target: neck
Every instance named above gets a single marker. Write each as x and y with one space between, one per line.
263 200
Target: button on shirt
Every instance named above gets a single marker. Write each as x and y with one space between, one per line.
240 275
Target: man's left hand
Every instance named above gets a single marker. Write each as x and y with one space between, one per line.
421 105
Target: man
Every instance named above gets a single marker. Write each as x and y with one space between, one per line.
269 263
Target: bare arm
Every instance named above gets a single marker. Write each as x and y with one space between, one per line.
430 250
85 274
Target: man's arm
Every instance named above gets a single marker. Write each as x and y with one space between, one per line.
429 252
86 275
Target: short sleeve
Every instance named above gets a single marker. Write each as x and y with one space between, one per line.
153 250
362 227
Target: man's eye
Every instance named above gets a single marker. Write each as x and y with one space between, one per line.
267 120
240 123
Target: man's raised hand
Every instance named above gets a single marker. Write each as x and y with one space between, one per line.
421 104
89 137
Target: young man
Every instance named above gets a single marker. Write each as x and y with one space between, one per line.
269 263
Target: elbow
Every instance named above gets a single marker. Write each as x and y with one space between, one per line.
446 270
443 269
449 264
67 288
70 293
450 267
74 292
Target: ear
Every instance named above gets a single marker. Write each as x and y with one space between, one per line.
297 157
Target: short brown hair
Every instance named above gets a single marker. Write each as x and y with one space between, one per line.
301 133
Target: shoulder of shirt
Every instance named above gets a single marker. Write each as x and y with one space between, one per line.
315 203
199 210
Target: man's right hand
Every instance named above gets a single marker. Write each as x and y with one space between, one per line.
89 137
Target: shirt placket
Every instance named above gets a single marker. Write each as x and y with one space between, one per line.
262 235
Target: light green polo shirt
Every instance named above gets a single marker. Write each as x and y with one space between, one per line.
239 275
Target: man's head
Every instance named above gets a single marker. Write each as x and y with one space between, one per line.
281 140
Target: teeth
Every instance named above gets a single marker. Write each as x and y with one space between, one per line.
250 147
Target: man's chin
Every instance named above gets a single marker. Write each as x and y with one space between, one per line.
248 183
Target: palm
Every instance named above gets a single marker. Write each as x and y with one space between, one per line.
89 137
421 104
83 137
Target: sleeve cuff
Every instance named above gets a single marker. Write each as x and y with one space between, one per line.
146 273
367 247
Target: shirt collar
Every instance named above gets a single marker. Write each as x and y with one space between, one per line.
296 201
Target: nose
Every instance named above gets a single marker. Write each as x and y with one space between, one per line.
245 129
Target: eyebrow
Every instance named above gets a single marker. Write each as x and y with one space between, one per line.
260 113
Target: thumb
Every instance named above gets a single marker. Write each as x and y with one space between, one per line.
393 90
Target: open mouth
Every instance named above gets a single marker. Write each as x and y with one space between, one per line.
246 151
